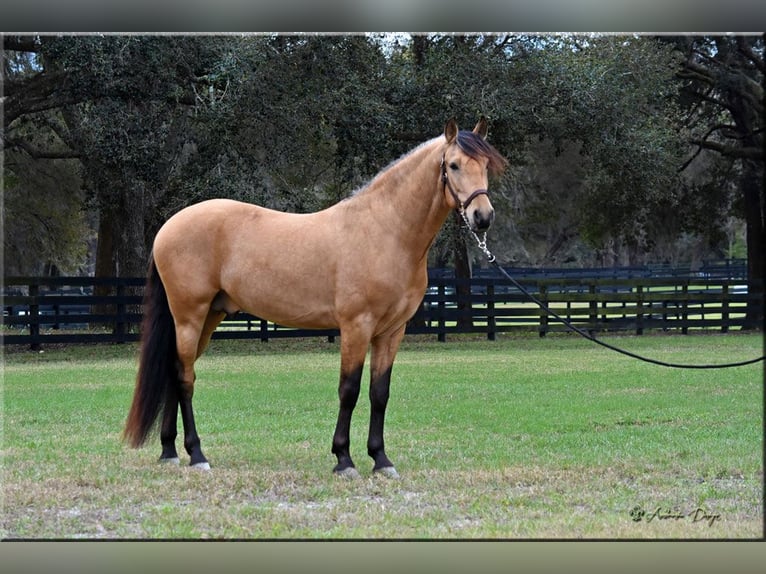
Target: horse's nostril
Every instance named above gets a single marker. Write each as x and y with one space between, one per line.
483 221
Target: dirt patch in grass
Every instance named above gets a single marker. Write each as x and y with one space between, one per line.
161 501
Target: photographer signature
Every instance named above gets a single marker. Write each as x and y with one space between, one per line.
638 514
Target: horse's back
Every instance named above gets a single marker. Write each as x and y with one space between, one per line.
205 228
273 264
204 217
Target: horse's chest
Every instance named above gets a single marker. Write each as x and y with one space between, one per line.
399 303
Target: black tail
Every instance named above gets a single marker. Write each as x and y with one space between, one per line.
158 368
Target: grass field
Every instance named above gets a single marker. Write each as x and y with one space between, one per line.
518 438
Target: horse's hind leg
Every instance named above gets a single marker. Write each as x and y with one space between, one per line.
169 428
214 319
188 341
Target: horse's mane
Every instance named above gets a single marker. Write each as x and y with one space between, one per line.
383 172
470 143
476 146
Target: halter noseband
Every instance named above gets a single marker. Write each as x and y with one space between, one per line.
461 206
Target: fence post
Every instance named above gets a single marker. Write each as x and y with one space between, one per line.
725 307
491 311
543 290
592 309
640 310
685 308
119 325
264 331
34 317
441 335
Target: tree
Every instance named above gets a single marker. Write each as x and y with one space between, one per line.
315 124
45 227
592 126
724 101
115 103
48 232
612 96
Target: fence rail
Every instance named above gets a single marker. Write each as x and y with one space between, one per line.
39 311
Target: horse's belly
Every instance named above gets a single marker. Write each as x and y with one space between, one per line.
302 318
286 303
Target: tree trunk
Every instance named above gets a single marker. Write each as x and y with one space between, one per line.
747 121
106 261
121 250
755 217
419 49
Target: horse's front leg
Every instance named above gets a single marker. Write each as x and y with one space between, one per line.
353 351
384 350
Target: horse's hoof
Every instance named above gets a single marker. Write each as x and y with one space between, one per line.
201 466
173 460
348 473
387 471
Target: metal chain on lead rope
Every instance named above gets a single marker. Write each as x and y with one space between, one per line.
480 241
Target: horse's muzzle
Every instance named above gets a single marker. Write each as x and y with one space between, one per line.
482 216
482 219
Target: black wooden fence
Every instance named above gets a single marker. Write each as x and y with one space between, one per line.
39 311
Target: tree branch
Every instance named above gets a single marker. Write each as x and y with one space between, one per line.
747 50
21 43
36 153
738 152
693 71
721 127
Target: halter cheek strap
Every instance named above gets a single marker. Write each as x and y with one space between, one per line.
461 205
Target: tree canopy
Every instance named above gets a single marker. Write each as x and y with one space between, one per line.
622 148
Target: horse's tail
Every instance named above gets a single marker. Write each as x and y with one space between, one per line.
158 369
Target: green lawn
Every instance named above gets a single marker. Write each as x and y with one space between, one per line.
517 438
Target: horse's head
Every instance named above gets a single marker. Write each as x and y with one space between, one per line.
466 162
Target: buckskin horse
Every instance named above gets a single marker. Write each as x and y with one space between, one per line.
359 266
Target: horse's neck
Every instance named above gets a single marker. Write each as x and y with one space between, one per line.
408 196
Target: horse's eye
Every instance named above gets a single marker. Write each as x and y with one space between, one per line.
454 166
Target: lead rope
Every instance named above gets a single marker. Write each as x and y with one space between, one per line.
482 244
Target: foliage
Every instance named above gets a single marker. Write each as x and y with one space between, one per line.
313 124
592 126
612 97
119 100
722 91
49 229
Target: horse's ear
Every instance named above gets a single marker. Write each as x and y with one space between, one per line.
450 130
481 128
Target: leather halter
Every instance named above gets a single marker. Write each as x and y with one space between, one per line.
460 205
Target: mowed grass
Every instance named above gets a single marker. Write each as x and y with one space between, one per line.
517 438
